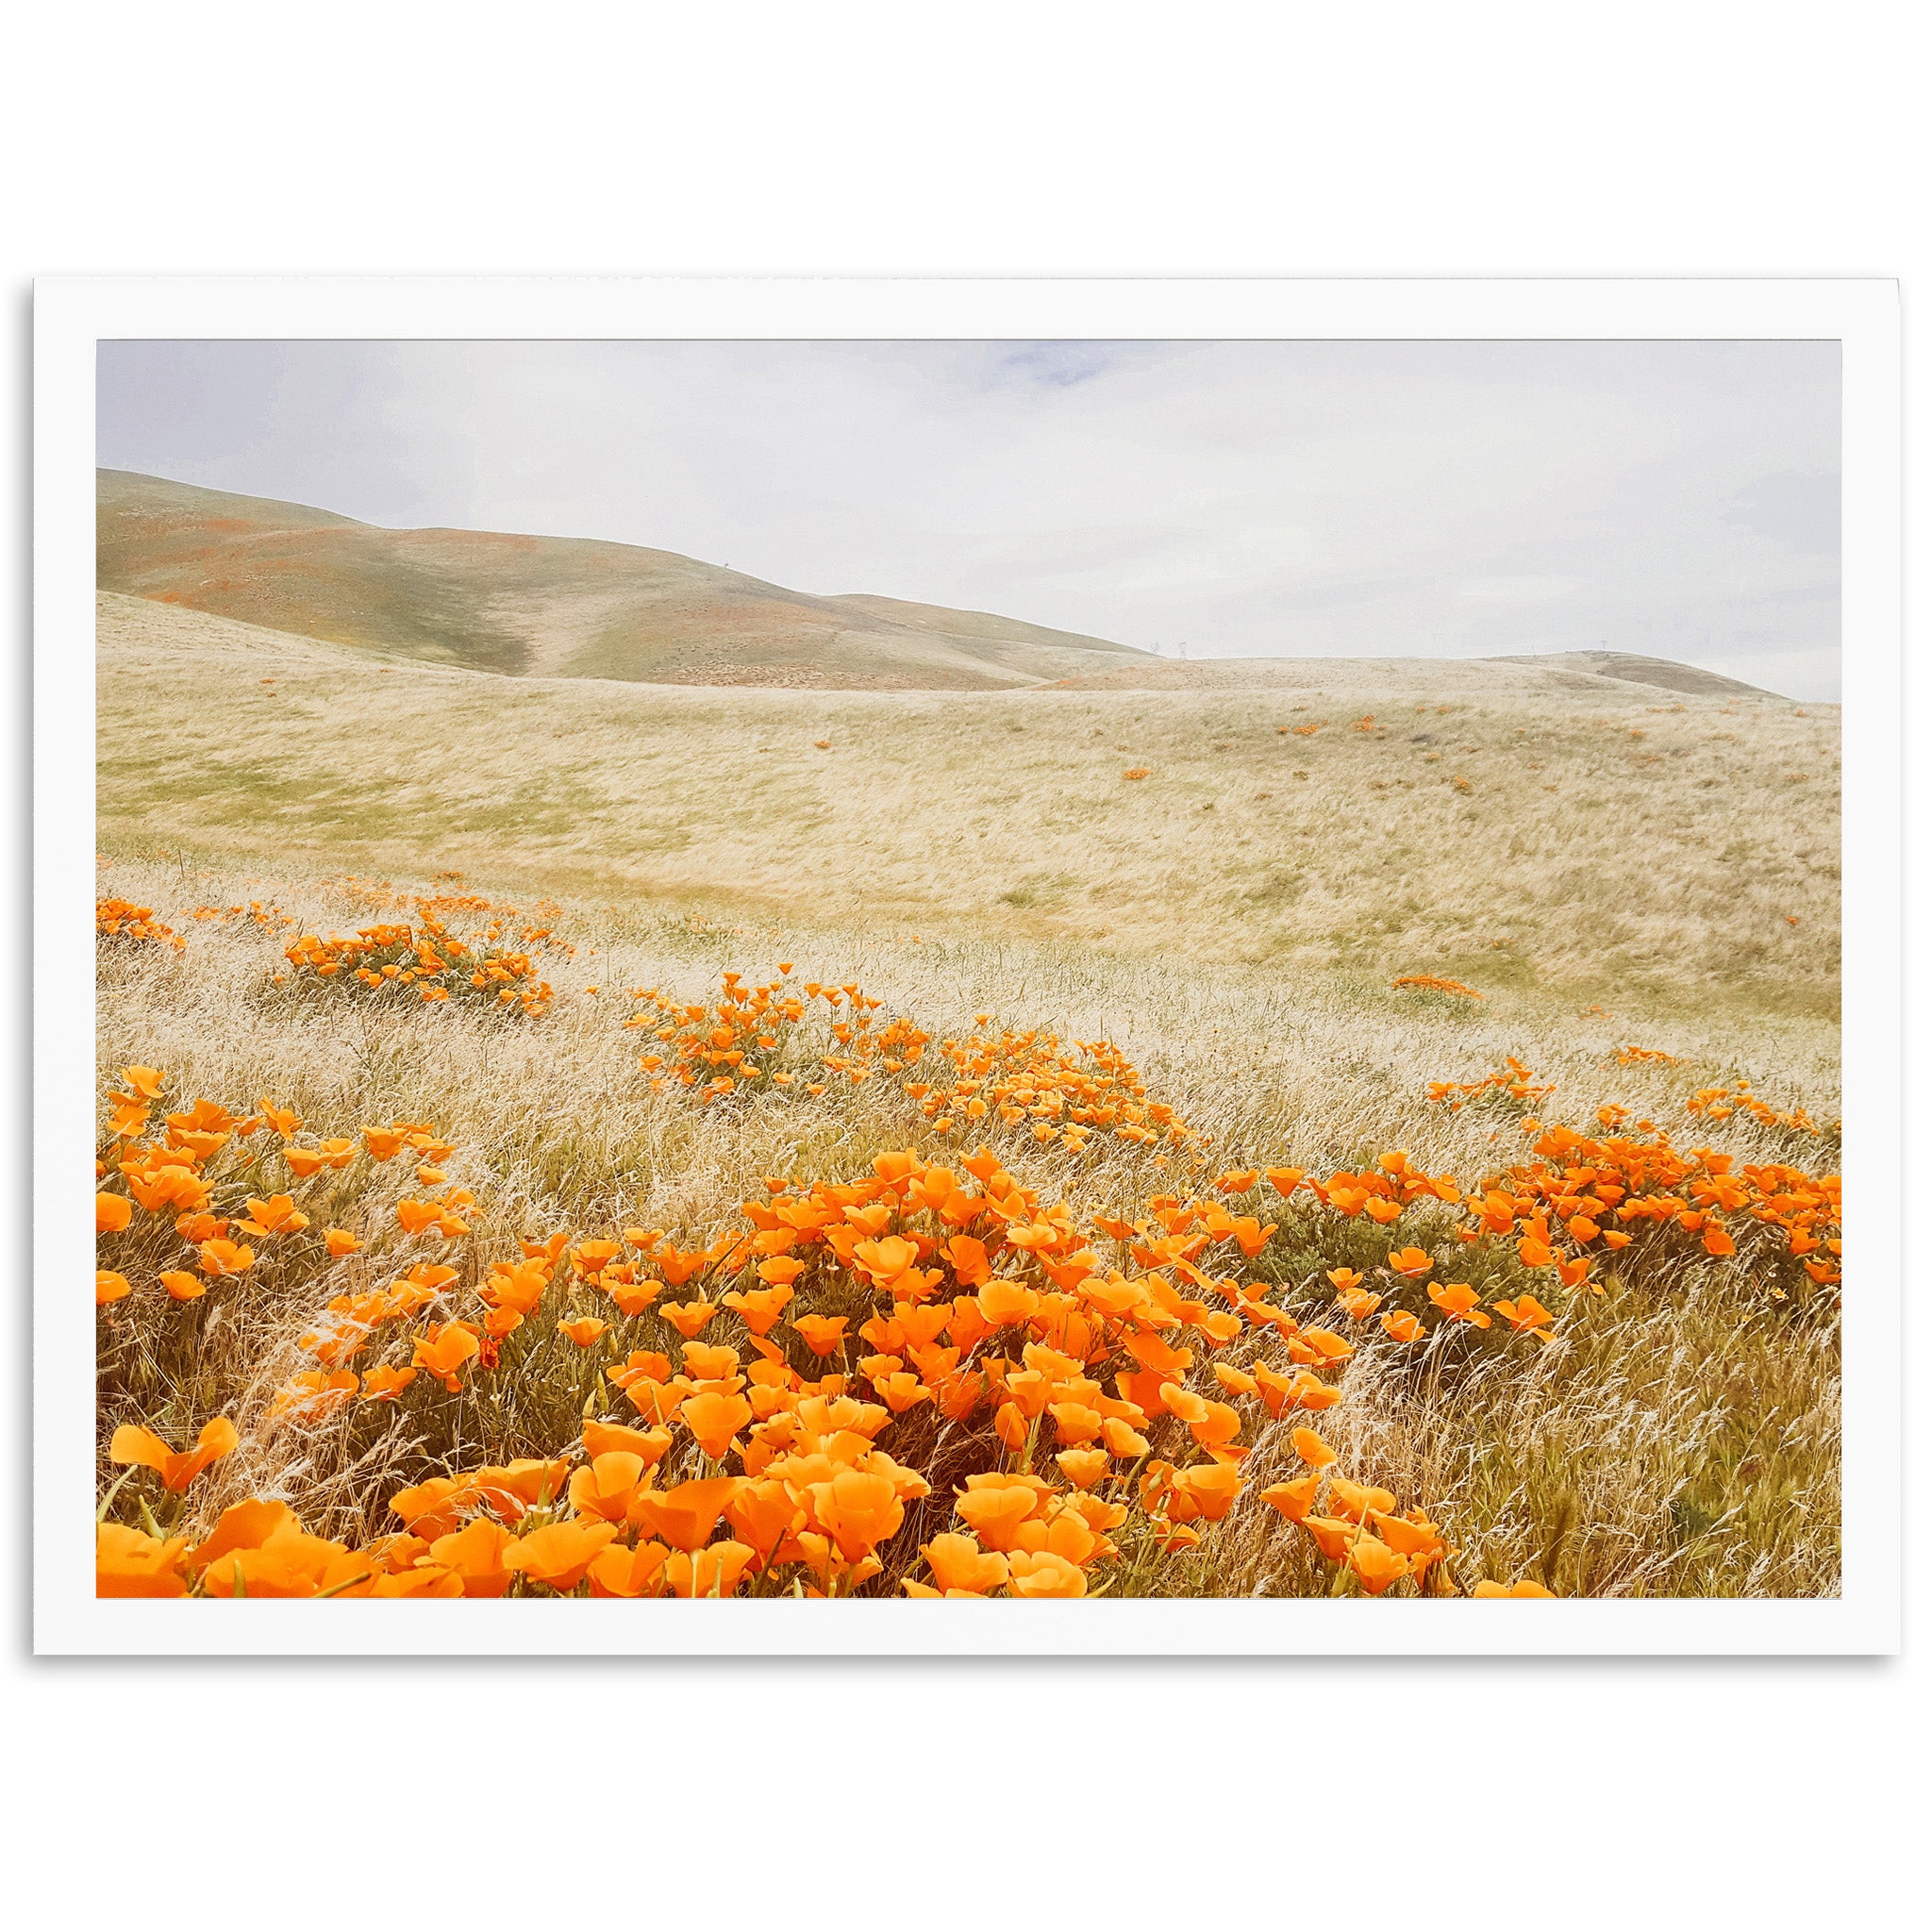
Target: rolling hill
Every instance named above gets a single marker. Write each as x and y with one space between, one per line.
1505 824
548 605
1630 667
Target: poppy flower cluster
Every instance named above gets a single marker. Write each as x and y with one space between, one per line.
1511 1080
190 1180
759 1038
1029 1080
118 918
1585 1196
924 1378
978 1338
1356 1527
1430 982
425 959
252 912
535 926
1721 1103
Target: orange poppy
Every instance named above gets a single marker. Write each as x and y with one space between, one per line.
176 1468
607 1488
1083 1468
618 1571
129 1563
584 1330
688 1318
856 1510
715 1571
1375 1564
1003 1303
1357 1500
995 1514
558 1556
764 1514
714 1421
443 1349
1293 1500
1043 1574
476 1555
821 1334
417 1216
219 1258
1526 1314
649 1446
276 1215
686 1515
1460 1302
960 1567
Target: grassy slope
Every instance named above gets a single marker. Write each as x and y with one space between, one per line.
1607 841
1680 1437
546 605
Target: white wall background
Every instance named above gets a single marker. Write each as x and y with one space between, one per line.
1508 139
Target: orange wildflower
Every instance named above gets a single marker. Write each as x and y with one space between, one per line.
129 1563
1460 1302
276 1215
558 1554
688 1318
1526 1314
714 1421
1043 1574
443 1349
476 1554
176 1468
995 1514
856 1510
686 1515
1293 1500
960 1567
715 1571
821 1334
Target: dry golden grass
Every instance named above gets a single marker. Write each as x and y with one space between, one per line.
1523 829
1680 1434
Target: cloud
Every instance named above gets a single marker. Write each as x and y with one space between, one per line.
1254 498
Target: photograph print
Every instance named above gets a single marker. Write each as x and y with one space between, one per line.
967 969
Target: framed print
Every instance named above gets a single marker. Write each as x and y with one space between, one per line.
1084 967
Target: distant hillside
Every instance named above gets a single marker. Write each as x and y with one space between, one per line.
1509 826
548 605
1664 673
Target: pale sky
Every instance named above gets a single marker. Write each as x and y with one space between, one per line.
1243 499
